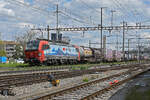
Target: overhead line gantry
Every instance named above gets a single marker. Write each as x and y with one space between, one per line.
96 28
123 27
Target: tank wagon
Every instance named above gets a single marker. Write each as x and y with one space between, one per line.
91 54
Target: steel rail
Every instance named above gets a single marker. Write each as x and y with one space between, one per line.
36 70
96 94
42 70
57 73
27 79
50 96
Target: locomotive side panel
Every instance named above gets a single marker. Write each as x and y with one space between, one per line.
80 53
61 52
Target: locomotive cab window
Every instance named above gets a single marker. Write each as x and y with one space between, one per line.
44 47
32 45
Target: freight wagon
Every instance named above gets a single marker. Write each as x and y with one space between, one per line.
113 55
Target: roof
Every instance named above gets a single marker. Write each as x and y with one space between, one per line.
9 42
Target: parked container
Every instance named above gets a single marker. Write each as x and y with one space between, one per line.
3 59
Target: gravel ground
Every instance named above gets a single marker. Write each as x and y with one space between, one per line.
118 93
37 89
108 94
82 92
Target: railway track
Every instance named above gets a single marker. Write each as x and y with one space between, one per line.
10 81
88 91
42 70
98 94
36 70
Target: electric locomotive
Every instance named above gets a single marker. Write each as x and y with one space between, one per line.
48 52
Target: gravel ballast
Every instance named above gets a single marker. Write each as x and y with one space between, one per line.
33 90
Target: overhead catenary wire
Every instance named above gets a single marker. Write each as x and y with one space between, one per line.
68 23
90 6
16 18
117 6
85 18
71 17
128 11
75 19
46 3
37 9
79 19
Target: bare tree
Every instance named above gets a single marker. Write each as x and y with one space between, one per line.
29 35
22 40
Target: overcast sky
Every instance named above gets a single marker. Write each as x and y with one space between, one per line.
18 16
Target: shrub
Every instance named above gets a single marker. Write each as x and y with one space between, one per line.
85 79
83 68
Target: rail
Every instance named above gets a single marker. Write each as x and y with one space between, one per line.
50 96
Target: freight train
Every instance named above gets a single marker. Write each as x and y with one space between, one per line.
42 51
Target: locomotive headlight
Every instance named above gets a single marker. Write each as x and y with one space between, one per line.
40 54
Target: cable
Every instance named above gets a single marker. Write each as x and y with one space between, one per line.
74 14
91 7
119 6
146 21
73 18
15 17
69 22
134 16
78 16
76 19
134 12
34 8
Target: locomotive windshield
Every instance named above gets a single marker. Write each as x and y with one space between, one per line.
32 45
